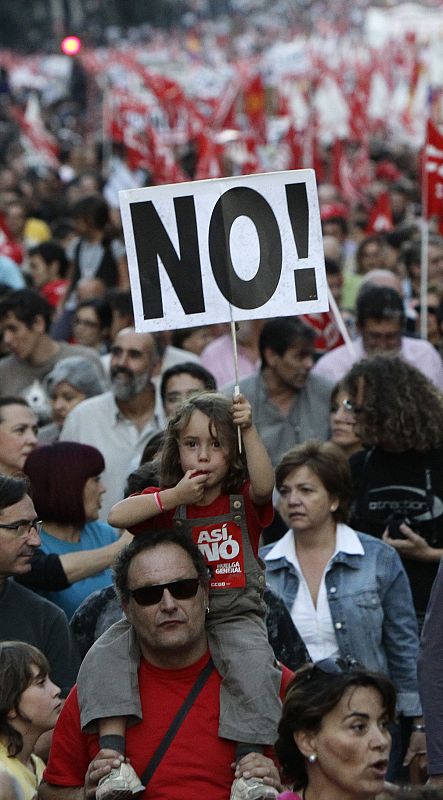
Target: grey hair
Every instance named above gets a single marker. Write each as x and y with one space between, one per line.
81 373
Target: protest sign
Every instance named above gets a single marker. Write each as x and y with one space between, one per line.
206 252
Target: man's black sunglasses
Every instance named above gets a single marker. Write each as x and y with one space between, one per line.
151 595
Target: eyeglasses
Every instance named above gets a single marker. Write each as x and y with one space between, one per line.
374 339
429 309
180 590
23 527
88 323
132 352
348 405
345 404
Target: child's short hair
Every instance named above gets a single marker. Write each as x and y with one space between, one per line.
218 409
16 662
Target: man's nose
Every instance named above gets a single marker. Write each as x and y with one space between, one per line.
167 602
308 361
122 359
33 538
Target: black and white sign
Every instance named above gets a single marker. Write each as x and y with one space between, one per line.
202 252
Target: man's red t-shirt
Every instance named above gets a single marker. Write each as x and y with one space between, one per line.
197 763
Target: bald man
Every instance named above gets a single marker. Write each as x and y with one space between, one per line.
122 421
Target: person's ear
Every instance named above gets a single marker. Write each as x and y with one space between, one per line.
53 269
306 742
334 504
39 324
12 714
125 604
270 356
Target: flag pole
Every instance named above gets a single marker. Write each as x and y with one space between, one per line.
237 386
424 278
424 224
341 323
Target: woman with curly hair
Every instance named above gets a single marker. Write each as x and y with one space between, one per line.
398 480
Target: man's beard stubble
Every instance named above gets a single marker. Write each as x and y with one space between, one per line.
130 388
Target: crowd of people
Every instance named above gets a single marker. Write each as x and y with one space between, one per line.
204 590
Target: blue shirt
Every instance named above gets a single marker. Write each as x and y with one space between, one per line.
93 535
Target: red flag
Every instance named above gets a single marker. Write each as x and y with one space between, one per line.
433 175
209 158
380 218
254 104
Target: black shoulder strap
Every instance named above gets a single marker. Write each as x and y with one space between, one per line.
176 722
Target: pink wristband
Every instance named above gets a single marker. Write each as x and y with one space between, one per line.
158 501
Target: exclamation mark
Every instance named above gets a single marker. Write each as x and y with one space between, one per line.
297 200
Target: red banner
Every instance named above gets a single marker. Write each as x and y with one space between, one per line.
222 549
433 175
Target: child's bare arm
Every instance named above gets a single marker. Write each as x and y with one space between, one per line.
141 507
261 473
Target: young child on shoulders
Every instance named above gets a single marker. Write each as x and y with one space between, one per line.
222 497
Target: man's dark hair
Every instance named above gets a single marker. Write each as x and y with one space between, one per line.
336 220
148 541
411 251
50 252
188 368
147 474
283 332
380 303
120 300
12 490
26 305
411 255
93 209
62 227
101 308
332 266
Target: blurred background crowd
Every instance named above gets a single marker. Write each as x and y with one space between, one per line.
198 89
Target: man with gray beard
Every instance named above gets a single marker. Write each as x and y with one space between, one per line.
122 421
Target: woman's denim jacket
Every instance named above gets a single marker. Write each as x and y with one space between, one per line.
371 609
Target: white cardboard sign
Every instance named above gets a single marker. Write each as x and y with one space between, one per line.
202 252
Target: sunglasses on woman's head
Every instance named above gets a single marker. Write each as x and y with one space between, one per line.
336 666
183 589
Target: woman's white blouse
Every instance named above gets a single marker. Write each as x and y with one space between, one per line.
314 623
